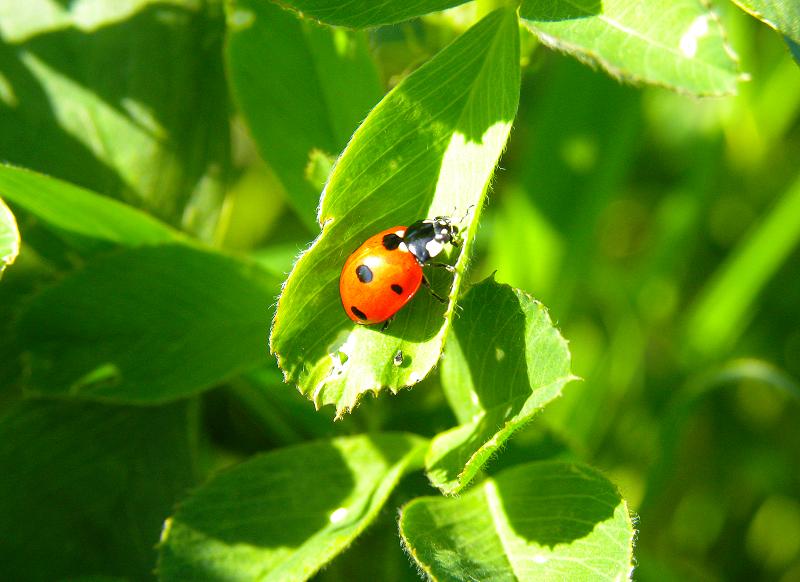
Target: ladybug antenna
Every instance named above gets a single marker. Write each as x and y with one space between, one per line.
464 218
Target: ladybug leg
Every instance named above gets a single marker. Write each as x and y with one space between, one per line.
386 323
431 291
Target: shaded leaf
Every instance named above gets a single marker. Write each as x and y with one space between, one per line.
782 15
301 88
270 519
428 149
81 101
9 237
504 361
72 210
147 325
675 43
86 488
540 521
365 13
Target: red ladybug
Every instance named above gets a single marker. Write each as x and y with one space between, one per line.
385 272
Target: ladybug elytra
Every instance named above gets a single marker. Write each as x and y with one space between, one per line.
385 272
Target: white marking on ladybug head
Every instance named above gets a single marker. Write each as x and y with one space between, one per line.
434 247
402 246
401 233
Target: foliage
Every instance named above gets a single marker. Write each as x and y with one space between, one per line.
433 143
181 181
9 237
522 525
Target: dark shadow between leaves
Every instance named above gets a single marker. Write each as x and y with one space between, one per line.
555 503
86 487
560 10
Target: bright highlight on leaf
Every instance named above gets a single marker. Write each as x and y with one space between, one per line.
683 49
540 521
429 148
504 361
9 237
366 13
147 325
284 515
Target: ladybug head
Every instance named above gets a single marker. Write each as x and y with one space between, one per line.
426 238
444 230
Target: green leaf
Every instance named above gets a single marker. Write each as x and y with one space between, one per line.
782 15
300 87
19 21
147 325
86 488
725 306
366 13
285 514
794 48
428 149
504 361
675 43
540 521
73 210
128 100
9 237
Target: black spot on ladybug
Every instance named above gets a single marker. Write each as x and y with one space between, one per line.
391 241
358 313
364 273
397 289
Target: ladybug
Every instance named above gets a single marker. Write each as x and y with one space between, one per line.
385 272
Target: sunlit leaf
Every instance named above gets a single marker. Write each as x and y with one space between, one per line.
302 88
73 210
782 15
147 325
540 521
86 488
503 362
429 148
9 237
283 515
675 43
365 13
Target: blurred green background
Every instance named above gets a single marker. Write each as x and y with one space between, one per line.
661 230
